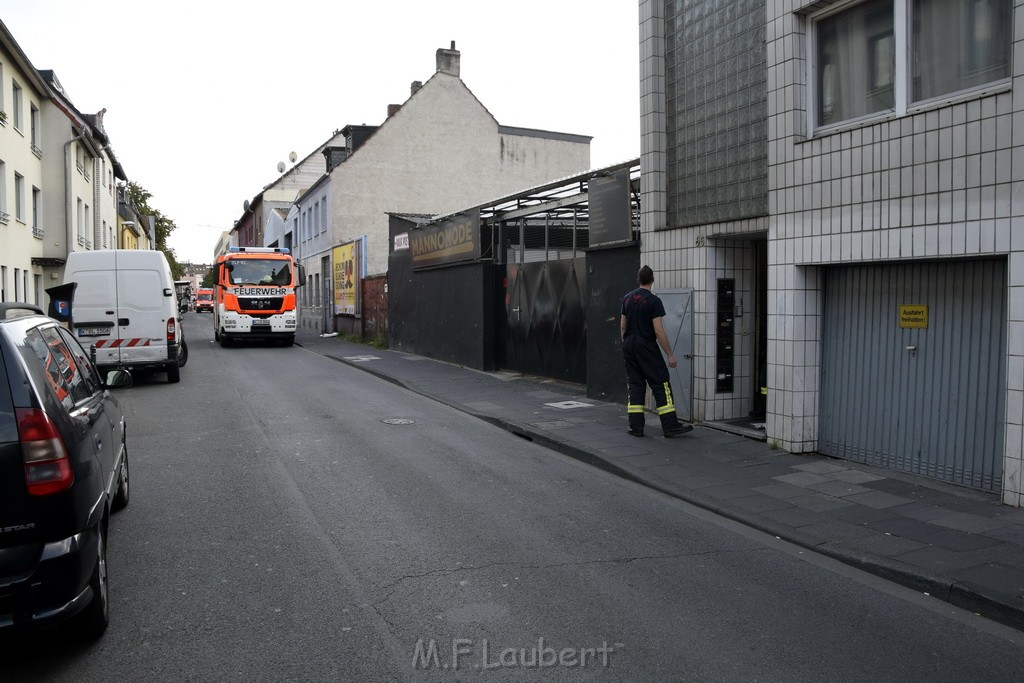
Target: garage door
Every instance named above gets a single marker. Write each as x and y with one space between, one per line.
913 366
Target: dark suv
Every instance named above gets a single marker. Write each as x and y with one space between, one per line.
63 470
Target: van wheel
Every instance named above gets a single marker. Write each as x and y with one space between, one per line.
288 341
173 373
216 334
182 354
225 340
93 620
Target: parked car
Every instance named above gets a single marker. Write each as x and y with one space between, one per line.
63 470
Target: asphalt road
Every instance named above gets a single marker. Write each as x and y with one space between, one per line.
280 529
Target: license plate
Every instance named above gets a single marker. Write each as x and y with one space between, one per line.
94 331
261 323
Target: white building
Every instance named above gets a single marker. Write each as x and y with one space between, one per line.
24 222
437 152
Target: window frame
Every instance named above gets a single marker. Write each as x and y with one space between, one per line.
904 104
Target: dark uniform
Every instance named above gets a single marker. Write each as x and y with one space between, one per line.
644 363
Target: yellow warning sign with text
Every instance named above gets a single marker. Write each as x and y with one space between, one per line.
913 315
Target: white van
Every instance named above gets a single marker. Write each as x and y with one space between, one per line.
126 309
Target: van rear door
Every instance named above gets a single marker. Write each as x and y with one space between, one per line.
95 305
142 308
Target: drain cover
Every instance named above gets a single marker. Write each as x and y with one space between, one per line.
397 421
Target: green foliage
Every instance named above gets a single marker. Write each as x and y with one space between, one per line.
139 197
207 282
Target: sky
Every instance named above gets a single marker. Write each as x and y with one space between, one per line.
204 99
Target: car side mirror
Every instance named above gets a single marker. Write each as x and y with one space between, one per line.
118 378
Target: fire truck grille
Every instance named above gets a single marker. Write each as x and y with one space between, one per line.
261 304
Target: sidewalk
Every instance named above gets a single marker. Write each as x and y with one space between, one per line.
959 545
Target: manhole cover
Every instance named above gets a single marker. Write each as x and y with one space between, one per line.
397 421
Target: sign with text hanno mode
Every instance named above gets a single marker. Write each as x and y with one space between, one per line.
456 239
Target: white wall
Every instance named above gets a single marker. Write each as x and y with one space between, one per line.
440 152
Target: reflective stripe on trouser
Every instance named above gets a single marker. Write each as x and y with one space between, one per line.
645 366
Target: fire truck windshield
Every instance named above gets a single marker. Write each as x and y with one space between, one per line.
259 272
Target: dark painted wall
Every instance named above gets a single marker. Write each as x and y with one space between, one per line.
611 274
447 313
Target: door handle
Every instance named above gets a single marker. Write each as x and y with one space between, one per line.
122 321
99 443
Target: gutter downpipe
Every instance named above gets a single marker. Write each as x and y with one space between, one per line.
68 232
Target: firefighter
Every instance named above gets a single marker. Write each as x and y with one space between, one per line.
642 331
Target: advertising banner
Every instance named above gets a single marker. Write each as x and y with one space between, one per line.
345 280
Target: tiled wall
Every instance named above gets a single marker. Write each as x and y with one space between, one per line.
941 182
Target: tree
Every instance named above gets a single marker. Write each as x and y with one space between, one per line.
207 282
139 197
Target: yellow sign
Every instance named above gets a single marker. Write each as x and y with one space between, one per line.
344 280
913 315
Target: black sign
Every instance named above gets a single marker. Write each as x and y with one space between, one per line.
456 239
61 300
608 199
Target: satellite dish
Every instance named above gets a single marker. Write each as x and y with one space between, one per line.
292 156
245 205
280 167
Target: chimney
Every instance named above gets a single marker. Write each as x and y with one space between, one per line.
448 60
334 156
393 109
416 85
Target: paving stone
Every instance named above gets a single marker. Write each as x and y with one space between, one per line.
972 524
856 477
923 512
821 467
839 489
860 514
683 476
924 532
782 491
794 517
879 544
878 499
893 486
819 502
760 503
940 559
803 478
645 460
1009 554
728 492
837 531
1012 533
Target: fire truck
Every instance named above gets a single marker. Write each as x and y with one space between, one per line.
254 295
204 300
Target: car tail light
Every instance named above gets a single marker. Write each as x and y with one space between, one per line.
171 333
47 468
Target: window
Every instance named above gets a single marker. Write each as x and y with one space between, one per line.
1 87
3 193
87 226
860 67
17 288
37 287
3 283
316 284
81 222
36 196
34 124
959 44
19 197
16 103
